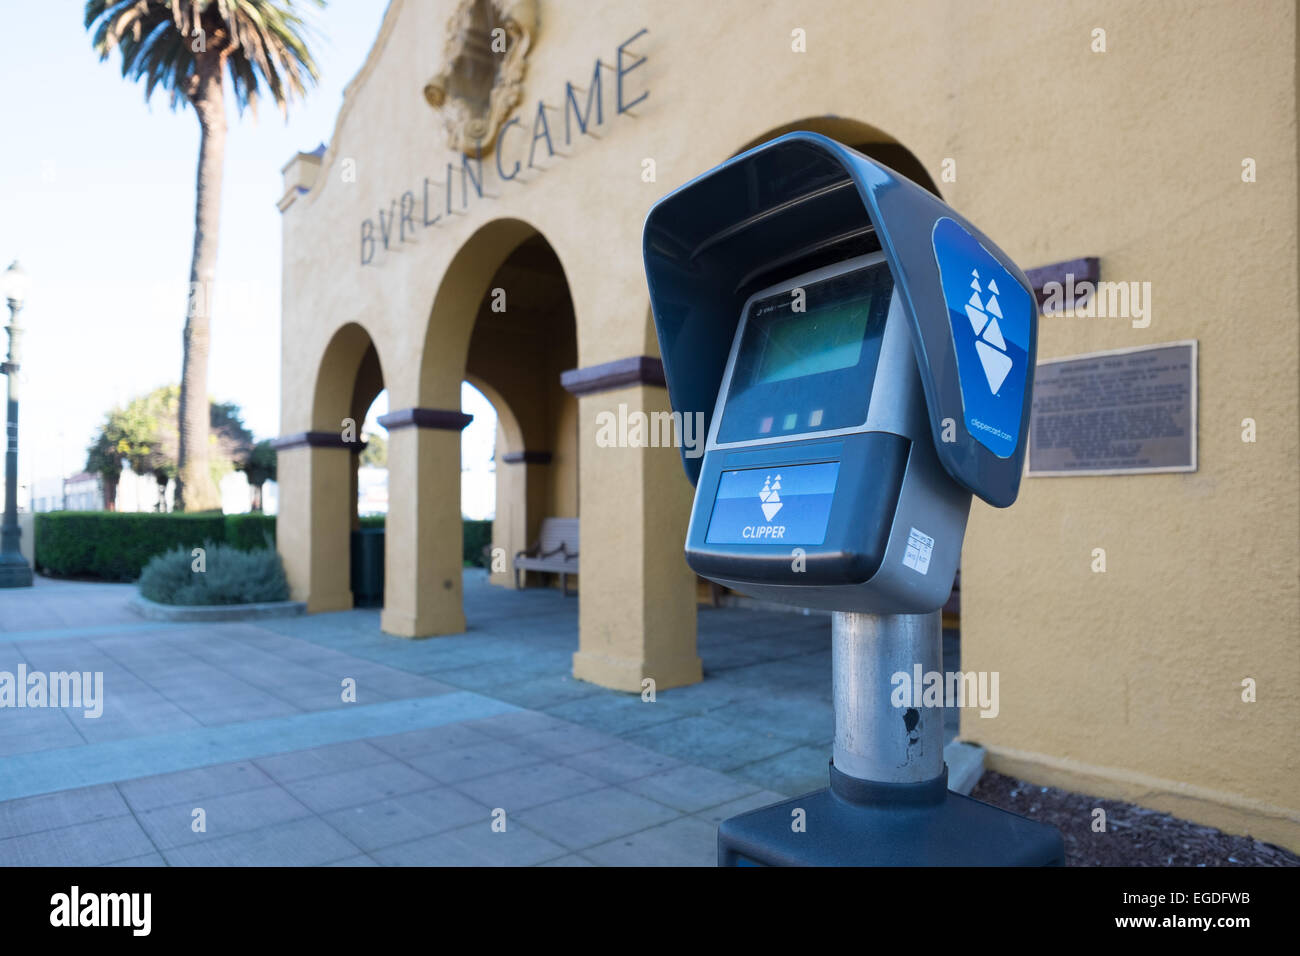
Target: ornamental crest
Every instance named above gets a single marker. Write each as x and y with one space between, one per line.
482 78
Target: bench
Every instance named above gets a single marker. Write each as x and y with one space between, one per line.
556 551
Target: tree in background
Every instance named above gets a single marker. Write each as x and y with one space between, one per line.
104 459
375 453
231 440
260 468
144 432
185 46
148 443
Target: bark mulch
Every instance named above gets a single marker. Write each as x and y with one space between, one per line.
1135 836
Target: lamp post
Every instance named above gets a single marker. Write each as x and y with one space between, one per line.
14 570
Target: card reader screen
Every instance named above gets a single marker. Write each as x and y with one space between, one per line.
787 505
800 344
807 358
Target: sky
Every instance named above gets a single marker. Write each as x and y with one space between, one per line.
97 201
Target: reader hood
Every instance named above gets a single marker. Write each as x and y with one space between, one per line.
803 201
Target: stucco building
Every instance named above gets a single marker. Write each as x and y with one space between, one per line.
477 216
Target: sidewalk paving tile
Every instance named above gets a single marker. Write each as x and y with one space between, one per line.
762 798
683 842
689 788
85 844
148 859
300 764
573 859
407 817
710 742
476 760
595 817
246 720
525 787
307 842
173 826
431 739
620 762
796 771
564 741
148 793
474 845
55 810
516 724
353 787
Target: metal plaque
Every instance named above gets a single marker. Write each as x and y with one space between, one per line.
1128 411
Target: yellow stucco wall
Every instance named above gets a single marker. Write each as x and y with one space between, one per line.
1128 683
1124 683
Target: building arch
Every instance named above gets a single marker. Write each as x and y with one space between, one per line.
865 138
507 421
503 319
349 376
465 285
349 373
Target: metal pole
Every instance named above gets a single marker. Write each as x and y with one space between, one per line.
874 739
14 572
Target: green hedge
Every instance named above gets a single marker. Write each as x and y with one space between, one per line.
115 546
251 531
478 534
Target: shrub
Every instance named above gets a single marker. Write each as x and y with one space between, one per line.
478 535
115 546
248 532
228 576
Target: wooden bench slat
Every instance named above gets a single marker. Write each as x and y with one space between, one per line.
555 550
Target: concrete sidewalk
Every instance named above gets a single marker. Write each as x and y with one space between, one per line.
243 727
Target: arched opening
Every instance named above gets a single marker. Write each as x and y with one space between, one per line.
478 448
866 139
346 402
503 321
372 463
524 338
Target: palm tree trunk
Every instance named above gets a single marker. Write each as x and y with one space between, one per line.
195 490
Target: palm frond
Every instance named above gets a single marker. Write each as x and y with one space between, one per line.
262 45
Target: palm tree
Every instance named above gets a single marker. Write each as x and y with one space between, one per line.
259 467
144 433
185 46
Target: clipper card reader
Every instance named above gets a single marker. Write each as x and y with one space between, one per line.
864 356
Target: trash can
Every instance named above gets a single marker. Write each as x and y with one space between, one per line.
368 567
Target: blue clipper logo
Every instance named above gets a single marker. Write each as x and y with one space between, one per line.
990 316
789 505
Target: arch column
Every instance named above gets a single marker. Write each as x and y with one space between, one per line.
519 488
423 540
637 610
521 506
315 518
